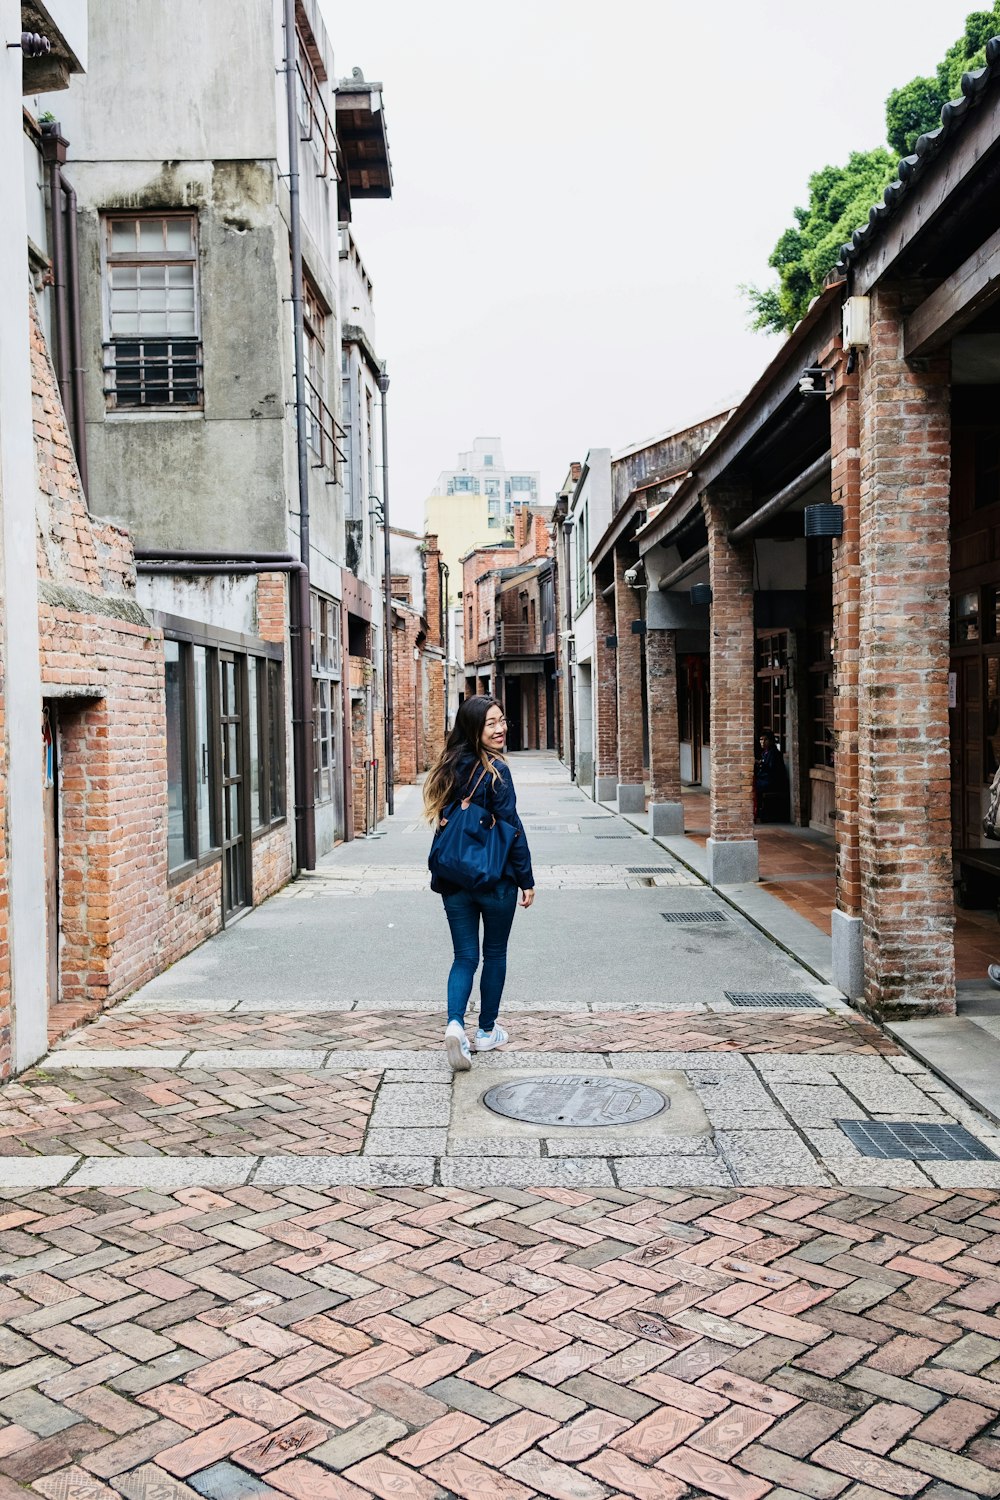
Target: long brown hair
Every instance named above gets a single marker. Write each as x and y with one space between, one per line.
466 738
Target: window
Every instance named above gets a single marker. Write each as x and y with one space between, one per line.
583 587
315 125
488 461
464 484
351 477
986 468
179 842
492 487
152 352
821 697
195 741
321 429
326 655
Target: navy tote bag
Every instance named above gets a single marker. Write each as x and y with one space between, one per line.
472 846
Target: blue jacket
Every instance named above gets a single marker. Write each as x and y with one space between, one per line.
498 798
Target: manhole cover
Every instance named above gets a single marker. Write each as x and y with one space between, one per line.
575 1100
909 1141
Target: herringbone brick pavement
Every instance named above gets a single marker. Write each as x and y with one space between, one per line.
683 1031
190 1113
591 1345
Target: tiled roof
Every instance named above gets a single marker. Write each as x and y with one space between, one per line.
929 146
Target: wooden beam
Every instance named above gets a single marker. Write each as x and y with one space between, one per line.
959 299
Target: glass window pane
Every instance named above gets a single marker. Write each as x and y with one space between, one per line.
253 730
179 235
178 792
123 234
203 771
276 738
150 234
124 276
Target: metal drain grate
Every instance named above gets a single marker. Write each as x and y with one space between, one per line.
903 1140
650 870
686 917
774 999
612 835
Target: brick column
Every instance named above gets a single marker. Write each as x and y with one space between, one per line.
605 700
904 784
845 490
631 772
666 814
732 848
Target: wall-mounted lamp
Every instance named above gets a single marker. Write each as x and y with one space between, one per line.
701 593
824 520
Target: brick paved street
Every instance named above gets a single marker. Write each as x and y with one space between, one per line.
334 1273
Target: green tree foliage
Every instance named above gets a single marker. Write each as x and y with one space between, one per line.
840 197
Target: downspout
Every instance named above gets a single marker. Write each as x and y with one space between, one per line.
76 333
567 536
54 149
444 589
302 724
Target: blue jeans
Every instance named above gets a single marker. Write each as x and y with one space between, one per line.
464 909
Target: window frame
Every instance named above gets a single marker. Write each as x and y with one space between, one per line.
264 815
110 339
327 675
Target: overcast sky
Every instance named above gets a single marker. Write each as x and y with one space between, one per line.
581 187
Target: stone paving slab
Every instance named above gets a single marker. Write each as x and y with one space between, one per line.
595 1344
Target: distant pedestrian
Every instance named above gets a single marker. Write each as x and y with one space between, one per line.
770 782
478 864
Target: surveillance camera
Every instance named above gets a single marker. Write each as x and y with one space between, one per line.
632 577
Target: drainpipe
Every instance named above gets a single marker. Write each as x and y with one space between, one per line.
444 589
54 151
390 768
76 334
302 722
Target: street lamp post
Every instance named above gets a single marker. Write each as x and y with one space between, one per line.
390 771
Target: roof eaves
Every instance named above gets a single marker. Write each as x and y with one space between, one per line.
928 147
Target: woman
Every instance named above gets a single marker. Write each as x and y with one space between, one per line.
472 766
770 782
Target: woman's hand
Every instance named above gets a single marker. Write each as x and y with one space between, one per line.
527 897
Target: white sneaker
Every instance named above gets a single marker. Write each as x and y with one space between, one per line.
487 1040
456 1046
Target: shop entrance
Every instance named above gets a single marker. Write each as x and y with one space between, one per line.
233 823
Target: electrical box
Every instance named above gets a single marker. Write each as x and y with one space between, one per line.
857 322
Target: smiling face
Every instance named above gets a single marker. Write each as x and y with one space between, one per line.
494 730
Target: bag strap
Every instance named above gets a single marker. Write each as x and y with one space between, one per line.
468 798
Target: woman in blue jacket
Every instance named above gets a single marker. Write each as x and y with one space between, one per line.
472 766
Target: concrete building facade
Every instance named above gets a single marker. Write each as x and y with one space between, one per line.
185 226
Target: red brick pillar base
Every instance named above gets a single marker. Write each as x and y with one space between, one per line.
904 785
666 814
605 699
631 790
732 848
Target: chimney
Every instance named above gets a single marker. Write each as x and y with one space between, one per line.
432 589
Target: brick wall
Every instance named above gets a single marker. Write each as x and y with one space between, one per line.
903 734
629 679
845 490
661 707
102 666
732 664
606 686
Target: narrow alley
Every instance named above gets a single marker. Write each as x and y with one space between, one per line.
258 1241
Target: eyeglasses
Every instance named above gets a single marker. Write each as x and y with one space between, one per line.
494 723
